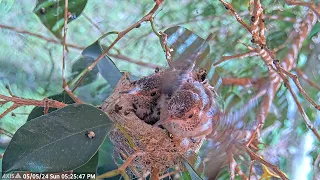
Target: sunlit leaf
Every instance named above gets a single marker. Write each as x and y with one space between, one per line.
186 44
267 174
51 13
58 141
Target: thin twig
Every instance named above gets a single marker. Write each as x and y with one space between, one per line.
301 110
122 169
316 168
64 55
256 21
277 17
241 173
64 52
40 36
5 132
239 81
232 164
164 39
305 77
154 29
140 63
9 91
310 5
301 90
237 56
11 108
239 19
17 102
168 174
250 168
274 168
147 17
288 63
93 23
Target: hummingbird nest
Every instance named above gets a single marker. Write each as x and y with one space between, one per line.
160 151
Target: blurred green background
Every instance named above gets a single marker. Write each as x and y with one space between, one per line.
31 66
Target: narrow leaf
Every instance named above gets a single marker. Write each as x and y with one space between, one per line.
194 165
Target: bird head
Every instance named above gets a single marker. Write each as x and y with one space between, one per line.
182 115
146 86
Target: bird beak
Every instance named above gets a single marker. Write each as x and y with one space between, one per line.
133 91
165 120
162 121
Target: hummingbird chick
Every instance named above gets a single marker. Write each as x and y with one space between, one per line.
200 74
190 111
183 102
146 86
181 113
144 94
143 107
173 80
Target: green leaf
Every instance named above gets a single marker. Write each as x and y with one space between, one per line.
58 141
194 165
314 30
106 66
276 39
90 166
186 44
209 10
51 13
62 97
82 63
106 162
185 175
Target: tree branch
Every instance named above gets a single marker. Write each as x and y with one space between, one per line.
287 64
310 5
274 168
140 63
305 77
301 110
64 55
17 102
40 36
237 56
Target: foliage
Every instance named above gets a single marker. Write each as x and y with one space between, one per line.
32 67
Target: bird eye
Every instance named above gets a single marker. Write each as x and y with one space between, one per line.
153 93
190 116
